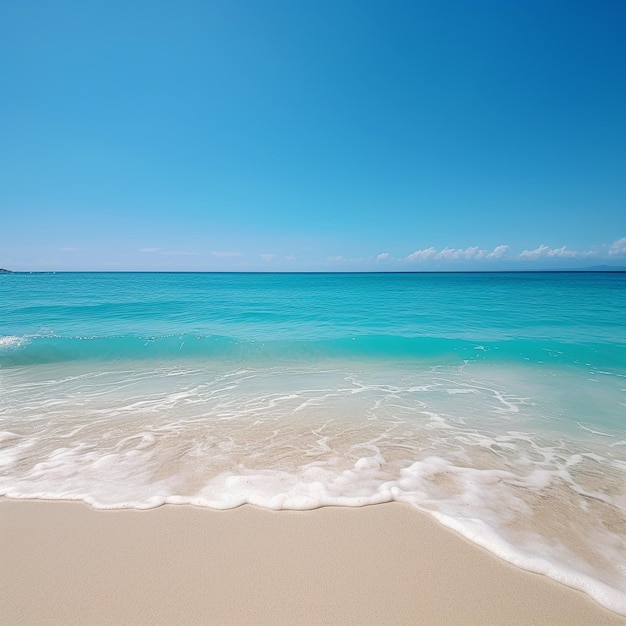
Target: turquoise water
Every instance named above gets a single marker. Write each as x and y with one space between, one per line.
496 402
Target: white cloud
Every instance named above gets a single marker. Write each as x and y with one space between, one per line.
334 258
474 252
449 254
618 248
422 255
290 258
529 255
149 249
544 251
565 253
452 254
382 256
267 257
498 252
221 255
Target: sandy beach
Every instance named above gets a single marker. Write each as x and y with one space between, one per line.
66 563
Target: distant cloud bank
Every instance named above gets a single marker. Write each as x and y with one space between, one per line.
451 254
503 257
618 248
503 252
544 251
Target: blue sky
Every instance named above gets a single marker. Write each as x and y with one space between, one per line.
312 135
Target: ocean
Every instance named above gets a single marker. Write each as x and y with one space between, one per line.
494 402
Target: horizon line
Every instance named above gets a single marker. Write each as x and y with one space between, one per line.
599 270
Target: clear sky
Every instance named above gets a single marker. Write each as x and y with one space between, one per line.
312 134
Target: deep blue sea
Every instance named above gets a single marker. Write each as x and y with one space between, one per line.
495 402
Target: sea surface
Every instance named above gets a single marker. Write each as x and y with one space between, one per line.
495 402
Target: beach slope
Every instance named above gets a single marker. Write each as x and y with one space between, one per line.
64 562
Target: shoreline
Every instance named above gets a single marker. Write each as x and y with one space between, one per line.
65 562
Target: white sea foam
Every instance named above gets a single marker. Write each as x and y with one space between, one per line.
487 452
11 341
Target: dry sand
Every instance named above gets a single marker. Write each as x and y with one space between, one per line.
65 563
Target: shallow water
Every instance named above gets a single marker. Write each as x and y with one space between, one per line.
494 401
